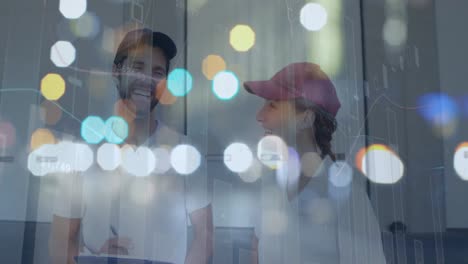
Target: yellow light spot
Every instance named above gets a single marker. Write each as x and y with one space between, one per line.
213 64
41 137
50 112
242 38
52 86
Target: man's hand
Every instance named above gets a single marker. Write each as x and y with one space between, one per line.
116 246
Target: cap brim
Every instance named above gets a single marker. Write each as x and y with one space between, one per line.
266 89
164 42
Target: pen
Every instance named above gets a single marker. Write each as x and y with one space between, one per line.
114 232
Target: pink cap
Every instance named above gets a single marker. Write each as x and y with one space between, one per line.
299 80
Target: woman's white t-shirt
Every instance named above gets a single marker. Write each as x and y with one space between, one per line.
324 223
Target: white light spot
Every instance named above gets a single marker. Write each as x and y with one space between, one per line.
185 159
460 162
62 54
139 162
72 9
238 157
382 166
313 16
395 32
109 156
272 151
225 85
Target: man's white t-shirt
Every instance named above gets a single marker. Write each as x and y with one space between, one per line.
324 223
152 211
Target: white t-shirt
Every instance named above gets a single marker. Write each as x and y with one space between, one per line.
324 224
152 211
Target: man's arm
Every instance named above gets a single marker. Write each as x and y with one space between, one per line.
201 248
64 240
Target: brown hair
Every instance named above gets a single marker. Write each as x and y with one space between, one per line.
324 126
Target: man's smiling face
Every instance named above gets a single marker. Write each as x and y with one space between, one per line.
139 76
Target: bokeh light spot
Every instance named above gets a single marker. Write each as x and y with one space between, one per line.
87 26
93 129
52 86
288 173
109 156
41 137
140 162
72 9
7 135
225 85
242 38
313 16
50 112
163 160
460 161
438 108
395 32
163 95
62 53
272 151
116 130
381 165
213 64
185 159
238 157
179 82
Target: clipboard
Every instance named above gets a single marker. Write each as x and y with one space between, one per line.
112 259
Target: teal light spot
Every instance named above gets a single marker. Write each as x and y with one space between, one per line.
93 129
116 130
179 82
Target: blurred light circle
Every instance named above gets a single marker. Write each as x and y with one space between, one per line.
213 64
43 160
242 38
72 9
87 26
140 162
163 161
41 137
238 157
382 165
272 151
50 112
460 161
288 173
311 164
163 95
225 85
438 108
93 129
179 82
340 174
313 16
52 86
185 159
75 156
253 173
109 156
116 130
7 135
395 32
62 53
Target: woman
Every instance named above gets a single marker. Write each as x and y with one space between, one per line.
324 214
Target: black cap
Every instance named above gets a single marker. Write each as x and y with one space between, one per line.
145 36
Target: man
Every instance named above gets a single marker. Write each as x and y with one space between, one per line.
115 213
